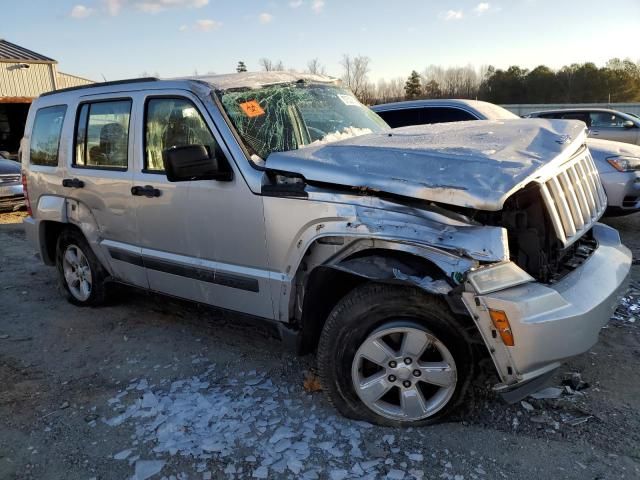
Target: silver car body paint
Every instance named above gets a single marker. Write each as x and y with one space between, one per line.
621 187
226 244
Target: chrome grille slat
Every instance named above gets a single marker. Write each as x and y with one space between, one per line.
562 206
581 196
587 188
575 198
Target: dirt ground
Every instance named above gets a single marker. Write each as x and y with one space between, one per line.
150 386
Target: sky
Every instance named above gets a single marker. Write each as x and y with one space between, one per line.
114 39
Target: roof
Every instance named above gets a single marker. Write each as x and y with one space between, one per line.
427 102
15 53
253 80
244 80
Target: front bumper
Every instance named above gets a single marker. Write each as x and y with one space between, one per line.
551 323
623 190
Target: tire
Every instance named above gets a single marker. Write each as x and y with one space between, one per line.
374 316
78 267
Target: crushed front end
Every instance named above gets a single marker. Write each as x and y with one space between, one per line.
565 275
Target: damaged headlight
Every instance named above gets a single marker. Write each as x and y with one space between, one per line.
624 163
497 277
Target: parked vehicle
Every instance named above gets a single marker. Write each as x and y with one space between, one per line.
617 162
401 257
11 193
603 123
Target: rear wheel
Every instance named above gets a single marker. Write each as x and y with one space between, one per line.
80 274
393 356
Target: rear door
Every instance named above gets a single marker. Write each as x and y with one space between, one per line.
100 176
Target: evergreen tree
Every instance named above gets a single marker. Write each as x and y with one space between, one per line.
241 67
413 86
432 90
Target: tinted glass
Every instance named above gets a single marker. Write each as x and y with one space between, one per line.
445 115
45 136
424 115
102 135
606 120
402 118
172 122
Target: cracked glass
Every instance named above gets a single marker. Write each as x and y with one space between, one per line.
284 117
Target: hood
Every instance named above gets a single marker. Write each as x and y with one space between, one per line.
470 164
9 167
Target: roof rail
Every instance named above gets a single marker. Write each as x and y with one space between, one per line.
102 84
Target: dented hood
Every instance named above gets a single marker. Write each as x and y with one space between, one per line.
470 164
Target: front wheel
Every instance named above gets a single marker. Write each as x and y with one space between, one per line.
393 356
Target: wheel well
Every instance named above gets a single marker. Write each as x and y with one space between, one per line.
50 233
327 285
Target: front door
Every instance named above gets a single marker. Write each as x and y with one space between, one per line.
202 240
609 126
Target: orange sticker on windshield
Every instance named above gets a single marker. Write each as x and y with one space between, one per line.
252 108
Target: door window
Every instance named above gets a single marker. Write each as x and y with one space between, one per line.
172 122
102 135
445 115
606 120
403 117
45 137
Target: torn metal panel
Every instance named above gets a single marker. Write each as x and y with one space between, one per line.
469 164
439 287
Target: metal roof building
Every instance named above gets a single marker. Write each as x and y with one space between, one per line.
24 75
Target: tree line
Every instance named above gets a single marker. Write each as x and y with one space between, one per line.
617 81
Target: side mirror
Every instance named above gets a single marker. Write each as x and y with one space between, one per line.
628 124
195 162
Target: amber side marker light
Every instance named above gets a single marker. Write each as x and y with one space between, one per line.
501 322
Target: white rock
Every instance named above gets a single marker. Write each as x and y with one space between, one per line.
122 455
395 474
148 468
338 474
261 472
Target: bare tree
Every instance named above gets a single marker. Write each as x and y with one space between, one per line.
269 66
356 71
453 82
315 67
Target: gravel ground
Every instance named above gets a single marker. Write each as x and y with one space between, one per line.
151 386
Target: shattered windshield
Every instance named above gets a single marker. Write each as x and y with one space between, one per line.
285 117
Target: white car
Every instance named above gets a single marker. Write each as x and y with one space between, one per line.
617 162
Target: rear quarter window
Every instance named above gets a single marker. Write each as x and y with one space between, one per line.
45 135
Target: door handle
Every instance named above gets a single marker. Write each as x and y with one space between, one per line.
72 183
147 191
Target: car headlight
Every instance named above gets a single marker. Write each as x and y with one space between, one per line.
498 277
624 163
